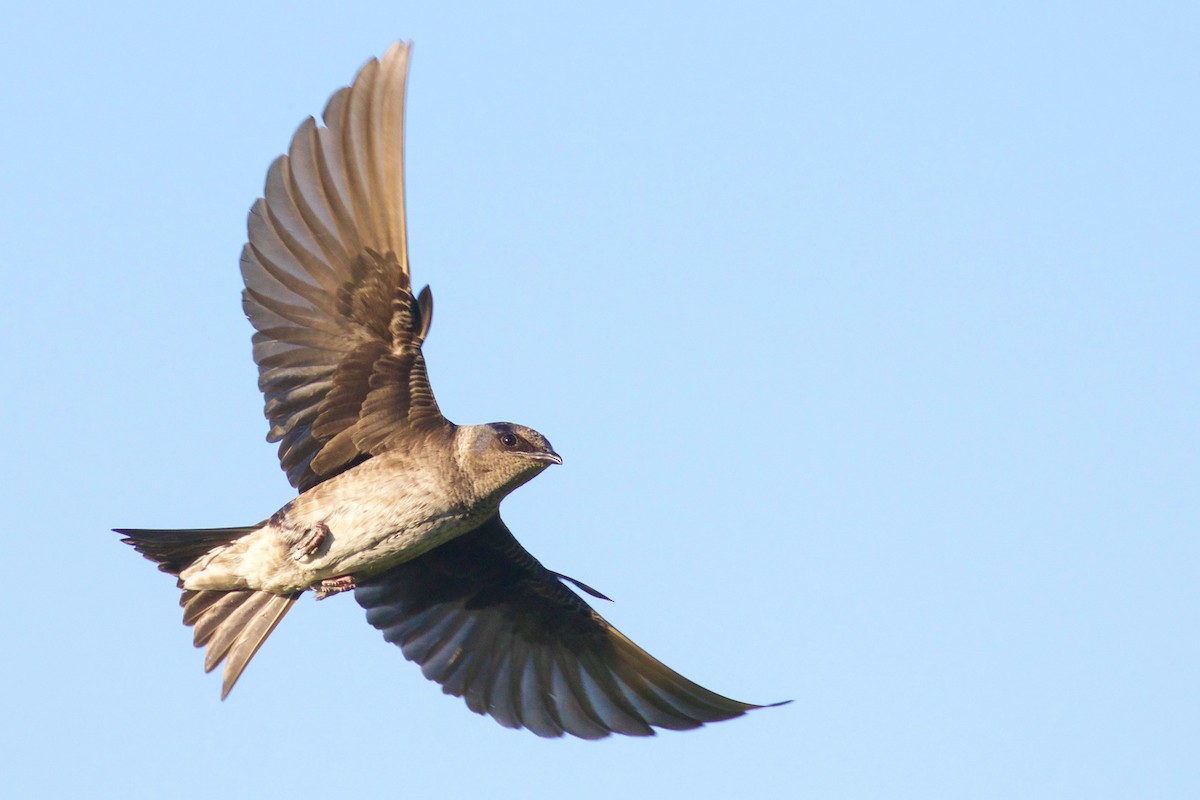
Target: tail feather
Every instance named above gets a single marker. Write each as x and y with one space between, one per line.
175 551
196 603
232 624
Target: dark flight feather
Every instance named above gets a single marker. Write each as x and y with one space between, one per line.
487 621
339 331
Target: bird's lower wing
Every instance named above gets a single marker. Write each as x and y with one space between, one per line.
489 623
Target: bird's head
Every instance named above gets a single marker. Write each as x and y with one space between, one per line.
501 456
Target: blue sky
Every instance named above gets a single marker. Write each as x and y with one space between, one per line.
868 333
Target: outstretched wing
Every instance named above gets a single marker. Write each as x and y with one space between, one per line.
487 621
339 332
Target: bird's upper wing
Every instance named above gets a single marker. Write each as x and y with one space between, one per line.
487 621
339 332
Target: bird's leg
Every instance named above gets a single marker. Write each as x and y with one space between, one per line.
311 539
332 586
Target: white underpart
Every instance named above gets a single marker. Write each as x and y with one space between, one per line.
378 515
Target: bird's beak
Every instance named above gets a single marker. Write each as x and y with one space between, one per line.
550 457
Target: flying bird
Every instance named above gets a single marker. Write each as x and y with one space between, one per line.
395 502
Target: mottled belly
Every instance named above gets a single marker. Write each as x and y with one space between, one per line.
365 555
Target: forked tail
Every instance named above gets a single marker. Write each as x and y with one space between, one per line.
233 624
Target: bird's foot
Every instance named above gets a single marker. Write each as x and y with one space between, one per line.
312 539
332 586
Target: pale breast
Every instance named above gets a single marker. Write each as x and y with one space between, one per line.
384 511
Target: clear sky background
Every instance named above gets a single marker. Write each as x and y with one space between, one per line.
868 331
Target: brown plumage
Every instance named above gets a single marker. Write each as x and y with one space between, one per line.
395 500
486 620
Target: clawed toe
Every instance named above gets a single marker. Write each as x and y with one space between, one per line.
312 539
332 586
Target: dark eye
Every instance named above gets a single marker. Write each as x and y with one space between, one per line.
508 439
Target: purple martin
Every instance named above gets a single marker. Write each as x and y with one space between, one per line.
394 501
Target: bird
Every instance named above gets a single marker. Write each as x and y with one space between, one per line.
394 502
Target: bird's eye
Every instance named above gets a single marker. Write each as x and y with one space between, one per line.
508 439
